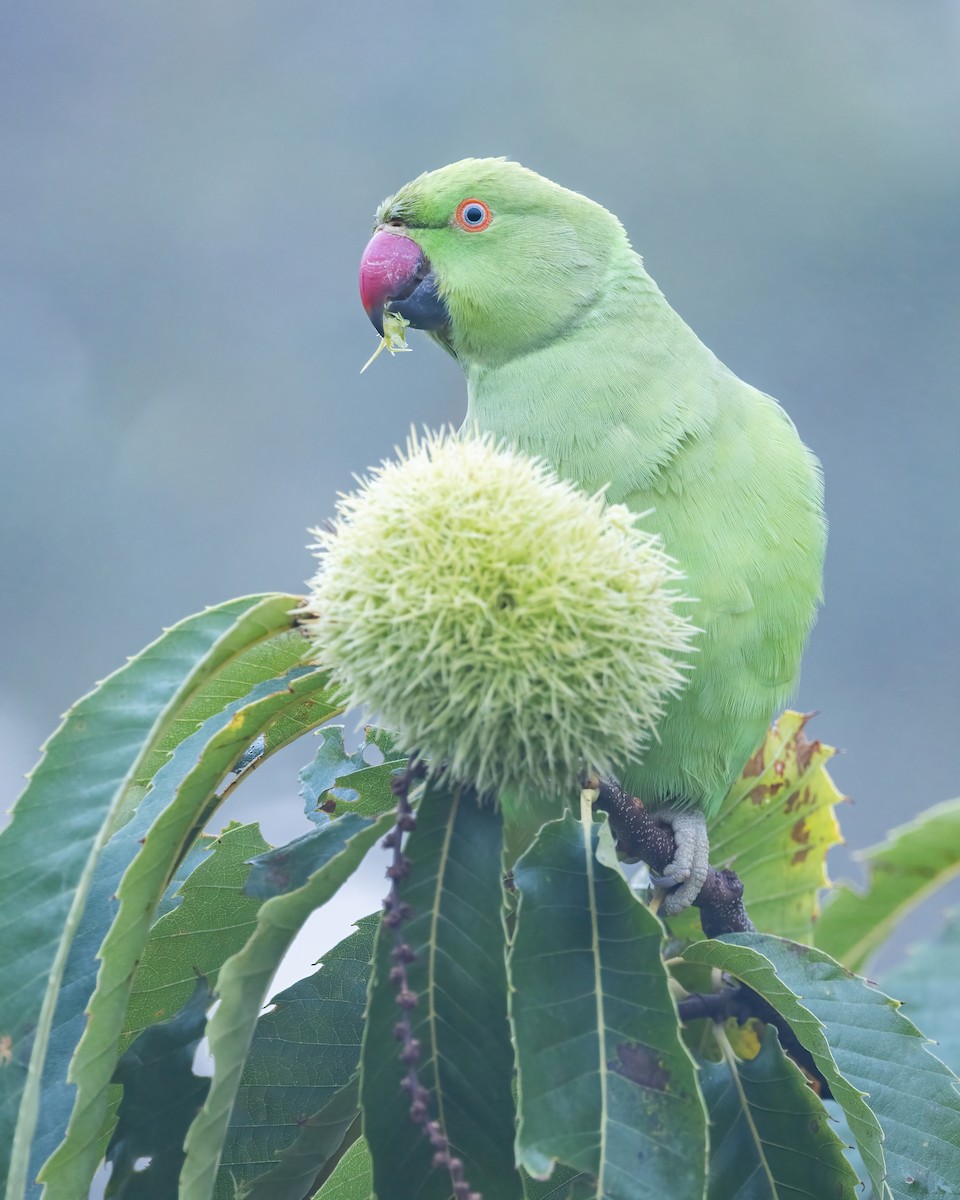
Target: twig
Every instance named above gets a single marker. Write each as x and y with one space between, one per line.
742 1003
640 835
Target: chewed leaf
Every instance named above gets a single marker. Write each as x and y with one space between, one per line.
161 1096
337 782
775 828
394 339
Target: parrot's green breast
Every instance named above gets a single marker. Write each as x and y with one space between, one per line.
631 400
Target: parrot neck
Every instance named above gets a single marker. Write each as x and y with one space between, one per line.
612 398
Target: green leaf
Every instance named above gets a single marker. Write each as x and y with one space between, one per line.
850 1149
185 790
57 1097
914 861
304 1051
320 1138
866 1050
191 860
83 785
161 1096
212 921
606 1084
455 891
770 1135
926 985
353 1178
564 1184
256 665
338 849
347 782
247 668
774 829
285 868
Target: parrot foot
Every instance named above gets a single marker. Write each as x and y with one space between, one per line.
686 874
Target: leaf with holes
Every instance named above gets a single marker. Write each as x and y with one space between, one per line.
161 1096
185 791
304 1051
605 1083
902 871
770 1136
338 848
337 782
774 829
455 892
212 705
92 775
890 1086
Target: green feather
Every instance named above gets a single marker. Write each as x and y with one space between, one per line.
571 352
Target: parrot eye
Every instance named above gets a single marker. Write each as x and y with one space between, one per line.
473 215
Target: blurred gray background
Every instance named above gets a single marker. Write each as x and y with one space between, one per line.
185 192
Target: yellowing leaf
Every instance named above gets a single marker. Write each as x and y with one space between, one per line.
745 1040
775 828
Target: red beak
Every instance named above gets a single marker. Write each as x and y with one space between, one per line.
395 274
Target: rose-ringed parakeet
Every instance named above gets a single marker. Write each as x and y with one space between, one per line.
572 353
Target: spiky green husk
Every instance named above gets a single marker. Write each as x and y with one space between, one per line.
506 624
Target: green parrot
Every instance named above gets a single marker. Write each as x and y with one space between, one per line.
572 353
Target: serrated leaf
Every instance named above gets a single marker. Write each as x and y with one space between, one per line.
212 921
320 1137
926 985
185 939
81 787
339 847
606 1084
353 1178
564 1184
266 657
771 1137
185 786
191 860
874 1059
161 1096
455 891
304 1050
253 667
774 829
915 860
345 782
285 868
243 671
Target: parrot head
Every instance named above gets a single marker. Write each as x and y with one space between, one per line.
488 257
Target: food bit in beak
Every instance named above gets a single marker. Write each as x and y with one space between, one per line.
394 339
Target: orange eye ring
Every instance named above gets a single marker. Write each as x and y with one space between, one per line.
473 215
